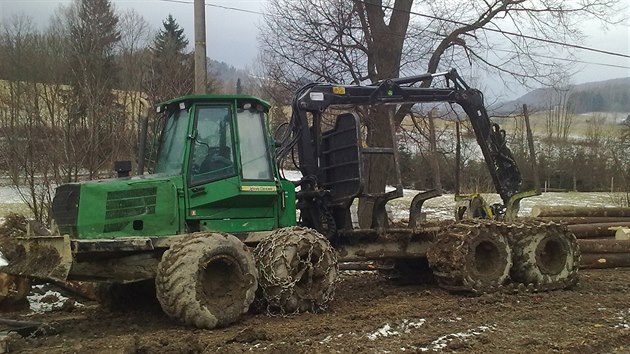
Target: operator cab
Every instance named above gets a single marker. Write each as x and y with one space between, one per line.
220 145
212 131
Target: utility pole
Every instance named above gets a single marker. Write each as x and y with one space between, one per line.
200 48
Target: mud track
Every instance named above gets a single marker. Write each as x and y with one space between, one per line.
371 315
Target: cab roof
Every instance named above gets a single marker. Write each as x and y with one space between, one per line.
192 99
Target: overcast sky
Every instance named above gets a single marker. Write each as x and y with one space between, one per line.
232 35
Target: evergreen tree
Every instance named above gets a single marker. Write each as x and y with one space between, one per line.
171 71
171 38
94 35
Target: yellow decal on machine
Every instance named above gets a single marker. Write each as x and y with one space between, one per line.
258 188
339 90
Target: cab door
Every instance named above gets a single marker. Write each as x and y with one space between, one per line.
230 181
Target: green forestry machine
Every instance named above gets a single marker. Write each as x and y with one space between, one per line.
215 227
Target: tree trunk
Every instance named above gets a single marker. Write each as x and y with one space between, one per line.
386 44
376 167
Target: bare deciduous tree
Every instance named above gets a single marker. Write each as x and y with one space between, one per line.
365 41
23 127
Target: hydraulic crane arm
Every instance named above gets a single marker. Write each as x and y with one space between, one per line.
305 126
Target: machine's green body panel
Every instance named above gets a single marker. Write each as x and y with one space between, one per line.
287 202
174 203
130 207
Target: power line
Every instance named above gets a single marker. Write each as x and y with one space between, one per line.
545 40
577 46
564 59
219 6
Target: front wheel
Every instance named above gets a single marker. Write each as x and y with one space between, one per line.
207 281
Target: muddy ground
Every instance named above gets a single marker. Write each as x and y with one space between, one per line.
369 315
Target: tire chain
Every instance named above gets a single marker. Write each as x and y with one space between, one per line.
278 289
514 230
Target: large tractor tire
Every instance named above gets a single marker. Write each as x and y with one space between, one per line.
207 281
544 254
298 271
471 256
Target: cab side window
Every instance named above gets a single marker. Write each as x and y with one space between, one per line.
212 155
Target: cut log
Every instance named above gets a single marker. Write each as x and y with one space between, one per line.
622 233
605 260
604 246
596 230
572 220
563 210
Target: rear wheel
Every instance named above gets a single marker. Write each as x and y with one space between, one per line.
471 256
207 281
544 254
298 270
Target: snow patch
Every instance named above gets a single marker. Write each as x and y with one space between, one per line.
404 327
331 338
326 340
624 319
10 195
384 331
450 320
41 300
443 341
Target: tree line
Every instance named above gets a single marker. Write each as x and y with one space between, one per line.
611 98
72 95
596 159
366 41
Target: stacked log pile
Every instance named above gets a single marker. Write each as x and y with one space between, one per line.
603 233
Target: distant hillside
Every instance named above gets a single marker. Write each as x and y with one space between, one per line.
601 96
227 74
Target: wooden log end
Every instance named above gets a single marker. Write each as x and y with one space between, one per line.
622 234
